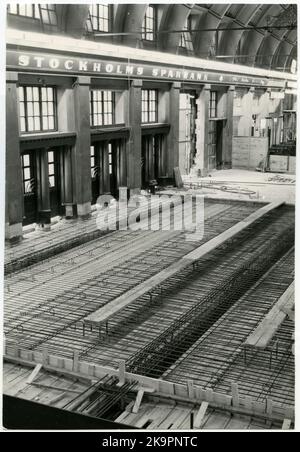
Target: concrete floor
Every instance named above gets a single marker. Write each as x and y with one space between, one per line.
243 185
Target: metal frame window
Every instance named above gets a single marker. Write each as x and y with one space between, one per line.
48 14
102 108
149 105
26 10
51 169
28 180
110 159
213 99
149 24
100 18
37 108
185 38
93 162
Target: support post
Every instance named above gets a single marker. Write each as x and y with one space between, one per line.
173 136
82 160
134 144
202 124
13 173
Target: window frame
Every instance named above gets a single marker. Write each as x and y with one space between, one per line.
40 101
213 104
102 101
185 36
35 15
108 19
146 31
26 180
149 102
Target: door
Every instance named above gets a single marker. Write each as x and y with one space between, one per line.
219 147
29 187
54 174
153 158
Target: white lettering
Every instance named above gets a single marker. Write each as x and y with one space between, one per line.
109 68
119 71
129 70
53 63
199 76
97 67
39 61
155 72
185 74
178 74
163 72
140 70
69 64
171 74
83 65
192 76
23 60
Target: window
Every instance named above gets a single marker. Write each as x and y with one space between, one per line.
100 18
102 106
27 10
51 169
213 104
28 180
149 105
94 167
149 24
44 12
48 15
185 38
37 108
110 162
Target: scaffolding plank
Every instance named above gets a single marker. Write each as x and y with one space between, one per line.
104 313
267 328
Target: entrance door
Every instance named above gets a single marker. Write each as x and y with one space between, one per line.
108 168
29 187
54 174
152 158
219 147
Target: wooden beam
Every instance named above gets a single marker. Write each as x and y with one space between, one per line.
121 302
267 328
286 424
200 415
138 400
220 401
34 373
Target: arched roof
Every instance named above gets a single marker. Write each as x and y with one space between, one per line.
259 35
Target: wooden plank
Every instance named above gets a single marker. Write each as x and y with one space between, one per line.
266 329
138 400
200 415
114 306
286 424
34 373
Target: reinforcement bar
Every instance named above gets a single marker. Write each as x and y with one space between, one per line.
121 302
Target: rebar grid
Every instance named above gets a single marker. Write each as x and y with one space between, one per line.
218 357
142 322
82 299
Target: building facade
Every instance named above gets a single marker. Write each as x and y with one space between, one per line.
93 106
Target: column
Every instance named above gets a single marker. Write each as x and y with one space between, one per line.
82 161
43 190
228 130
172 160
202 124
133 148
67 183
13 177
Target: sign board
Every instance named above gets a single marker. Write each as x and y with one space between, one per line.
24 61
